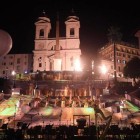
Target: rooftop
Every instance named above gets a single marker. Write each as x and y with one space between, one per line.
121 43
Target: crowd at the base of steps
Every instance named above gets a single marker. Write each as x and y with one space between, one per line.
48 132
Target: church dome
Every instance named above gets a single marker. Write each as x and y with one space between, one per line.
43 16
72 15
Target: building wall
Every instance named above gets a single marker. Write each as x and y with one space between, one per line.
124 52
20 63
45 47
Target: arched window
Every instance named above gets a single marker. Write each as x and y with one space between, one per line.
41 34
40 64
72 32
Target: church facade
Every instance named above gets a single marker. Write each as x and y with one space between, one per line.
60 53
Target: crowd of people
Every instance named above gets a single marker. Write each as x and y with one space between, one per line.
48 132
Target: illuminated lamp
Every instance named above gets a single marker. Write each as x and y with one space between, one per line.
77 66
25 72
104 69
13 72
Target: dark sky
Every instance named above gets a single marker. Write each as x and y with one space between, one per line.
95 19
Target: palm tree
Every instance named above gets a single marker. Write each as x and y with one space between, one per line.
114 36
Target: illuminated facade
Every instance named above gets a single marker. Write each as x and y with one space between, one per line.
60 53
20 63
124 52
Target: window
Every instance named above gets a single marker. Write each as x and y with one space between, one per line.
118 54
40 64
41 34
133 52
40 59
4 72
72 32
124 61
123 49
119 61
10 63
18 68
4 57
123 55
18 60
24 63
4 63
129 56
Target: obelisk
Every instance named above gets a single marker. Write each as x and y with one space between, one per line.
57 49
57 58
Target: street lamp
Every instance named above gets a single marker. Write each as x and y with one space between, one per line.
36 90
104 71
13 73
37 77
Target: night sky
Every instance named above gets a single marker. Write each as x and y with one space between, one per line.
95 17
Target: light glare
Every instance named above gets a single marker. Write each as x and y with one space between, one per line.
13 73
77 65
104 69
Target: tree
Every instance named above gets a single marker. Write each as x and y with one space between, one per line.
132 69
114 36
